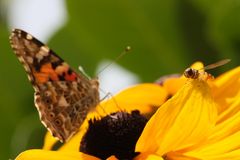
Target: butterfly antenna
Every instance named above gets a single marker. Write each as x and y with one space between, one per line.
126 50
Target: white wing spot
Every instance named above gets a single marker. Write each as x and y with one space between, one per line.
26 67
43 53
21 59
12 35
62 102
45 50
29 59
39 56
29 37
30 78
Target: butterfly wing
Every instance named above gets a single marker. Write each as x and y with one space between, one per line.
62 97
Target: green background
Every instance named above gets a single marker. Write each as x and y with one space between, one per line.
165 36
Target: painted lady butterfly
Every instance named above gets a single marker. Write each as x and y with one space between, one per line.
62 96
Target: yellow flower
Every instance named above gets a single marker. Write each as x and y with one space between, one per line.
200 121
147 97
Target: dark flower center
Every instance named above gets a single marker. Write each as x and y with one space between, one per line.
115 134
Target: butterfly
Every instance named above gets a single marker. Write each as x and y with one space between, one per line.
62 96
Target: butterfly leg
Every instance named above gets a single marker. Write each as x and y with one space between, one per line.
114 100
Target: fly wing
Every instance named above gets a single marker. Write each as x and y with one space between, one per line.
217 64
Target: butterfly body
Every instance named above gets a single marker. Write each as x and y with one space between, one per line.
62 96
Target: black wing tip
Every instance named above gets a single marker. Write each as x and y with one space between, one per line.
19 33
16 33
12 36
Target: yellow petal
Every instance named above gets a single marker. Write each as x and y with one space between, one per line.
233 109
112 158
226 86
224 149
227 77
172 85
144 156
224 133
179 156
53 155
184 120
49 141
142 97
233 155
74 143
227 127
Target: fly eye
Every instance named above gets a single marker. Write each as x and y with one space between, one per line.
189 72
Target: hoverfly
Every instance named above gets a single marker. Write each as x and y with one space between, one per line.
194 73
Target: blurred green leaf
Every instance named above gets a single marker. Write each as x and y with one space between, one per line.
166 36
222 26
16 99
100 30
